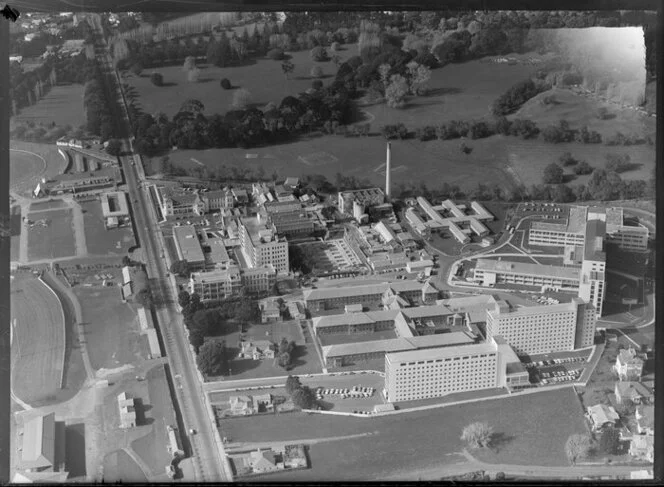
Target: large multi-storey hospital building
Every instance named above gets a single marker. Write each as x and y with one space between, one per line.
543 329
583 237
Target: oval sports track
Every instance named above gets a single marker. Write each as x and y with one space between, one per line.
38 340
24 166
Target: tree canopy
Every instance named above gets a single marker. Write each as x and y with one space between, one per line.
213 358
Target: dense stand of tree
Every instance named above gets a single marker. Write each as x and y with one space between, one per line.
247 127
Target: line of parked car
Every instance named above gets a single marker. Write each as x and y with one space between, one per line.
560 376
355 391
545 363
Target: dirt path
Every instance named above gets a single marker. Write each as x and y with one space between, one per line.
471 464
78 228
78 313
235 447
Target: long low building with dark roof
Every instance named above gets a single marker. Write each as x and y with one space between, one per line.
489 272
369 294
350 353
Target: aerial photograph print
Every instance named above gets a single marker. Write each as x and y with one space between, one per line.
340 246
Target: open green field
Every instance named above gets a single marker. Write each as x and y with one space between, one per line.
433 162
54 240
528 158
62 105
262 77
30 161
24 166
15 229
305 359
463 91
152 447
38 340
99 241
530 430
120 467
110 326
581 110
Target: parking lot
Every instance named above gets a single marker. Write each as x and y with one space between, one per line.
548 211
356 399
556 370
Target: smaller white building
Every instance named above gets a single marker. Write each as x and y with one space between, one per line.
127 411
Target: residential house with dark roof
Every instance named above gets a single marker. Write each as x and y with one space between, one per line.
628 392
265 461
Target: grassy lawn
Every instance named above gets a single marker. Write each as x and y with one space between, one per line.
54 240
252 77
15 229
152 447
305 359
25 169
99 240
24 166
456 91
38 344
602 381
531 430
111 327
412 160
62 105
557 415
580 110
120 467
528 158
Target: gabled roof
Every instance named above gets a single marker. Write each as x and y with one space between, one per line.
40 477
632 390
263 458
602 414
39 442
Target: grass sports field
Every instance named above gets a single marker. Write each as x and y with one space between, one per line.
460 91
111 327
54 240
62 105
100 241
262 77
30 161
38 341
409 443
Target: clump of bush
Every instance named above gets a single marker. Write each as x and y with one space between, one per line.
603 113
567 160
621 139
276 54
583 168
517 95
395 131
425 133
316 72
558 133
225 84
319 54
316 84
157 79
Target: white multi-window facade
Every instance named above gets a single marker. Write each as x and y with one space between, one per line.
542 329
437 372
592 286
262 252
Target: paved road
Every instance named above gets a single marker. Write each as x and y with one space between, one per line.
207 458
